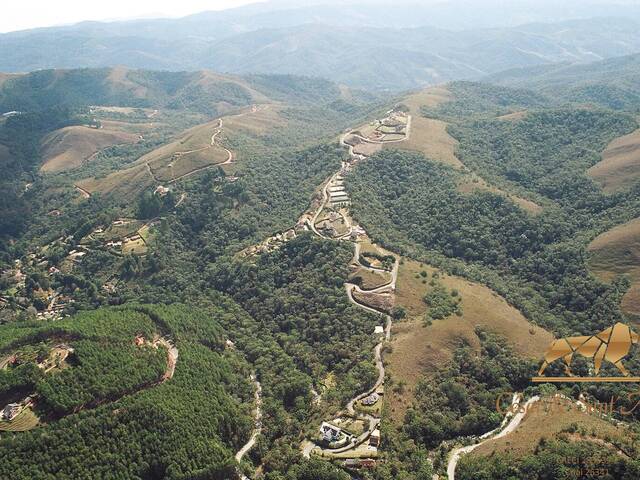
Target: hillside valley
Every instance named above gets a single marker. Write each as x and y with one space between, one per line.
391 244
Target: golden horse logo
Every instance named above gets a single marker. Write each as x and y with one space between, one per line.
612 345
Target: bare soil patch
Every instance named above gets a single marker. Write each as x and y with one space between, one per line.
376 301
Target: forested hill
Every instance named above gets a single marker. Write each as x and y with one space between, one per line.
613 83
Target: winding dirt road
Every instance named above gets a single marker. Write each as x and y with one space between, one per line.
257 428
506 430
388 288
172 357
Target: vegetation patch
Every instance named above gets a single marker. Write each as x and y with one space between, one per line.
164 425
442 303
563 444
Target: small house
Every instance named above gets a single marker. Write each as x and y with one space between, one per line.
330 433
11 411
374 439
371 399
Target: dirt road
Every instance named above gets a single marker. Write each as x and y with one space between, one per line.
511 426
257 424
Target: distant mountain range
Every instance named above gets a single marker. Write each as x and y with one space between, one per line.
372 46
613 83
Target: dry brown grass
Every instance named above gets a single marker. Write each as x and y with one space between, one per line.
190 152
6 76
257 121
430 97
367 149
134 247
167 170
26 420
617 252
193 139
429 136
70 147
539 423
118 79
473 182
620 165
129 127
208 79
418 349
126 182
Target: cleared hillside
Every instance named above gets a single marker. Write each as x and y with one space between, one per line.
70 147
195 149
419 349
620 165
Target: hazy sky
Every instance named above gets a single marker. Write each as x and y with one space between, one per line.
22 14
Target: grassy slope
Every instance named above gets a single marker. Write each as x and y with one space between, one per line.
70 147
419 349
620 165
617 252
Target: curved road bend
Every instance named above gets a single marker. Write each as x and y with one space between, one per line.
513 424
257 425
